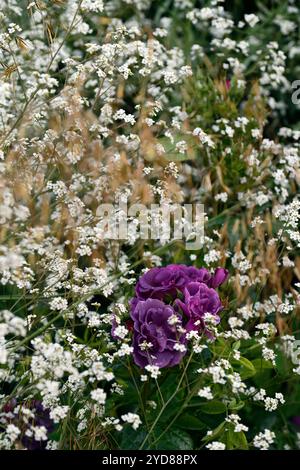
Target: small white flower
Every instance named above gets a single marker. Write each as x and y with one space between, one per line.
99 396
215 445
205 392
132 419
251 19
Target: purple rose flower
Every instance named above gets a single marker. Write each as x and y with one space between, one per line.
158 283
190 273
198 300
218 278
156 334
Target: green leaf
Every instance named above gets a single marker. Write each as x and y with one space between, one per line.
132 439
247 368
262 364
236 405
221 348
236 440
188 421
246 363
216 433
213 407
174 439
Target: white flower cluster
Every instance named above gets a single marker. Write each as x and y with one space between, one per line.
271 404
132 419
264 439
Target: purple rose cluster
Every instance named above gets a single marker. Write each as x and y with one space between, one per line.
169 302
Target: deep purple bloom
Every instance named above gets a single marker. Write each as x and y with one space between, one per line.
114 325
41 418
296 420
163 292
198 300
155 335
218 278
160 283
191 273
133 303
202 275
